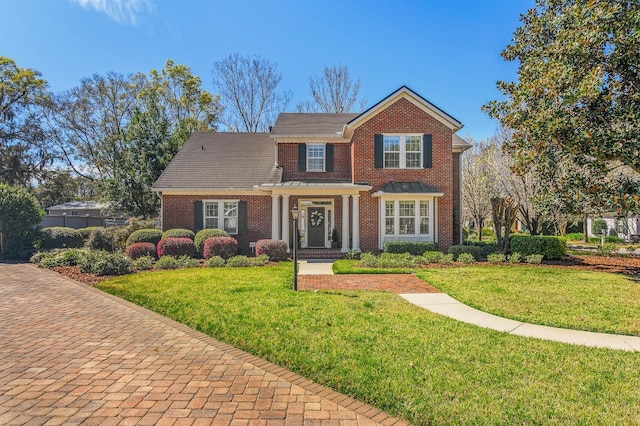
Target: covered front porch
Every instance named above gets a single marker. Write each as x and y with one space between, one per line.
324 207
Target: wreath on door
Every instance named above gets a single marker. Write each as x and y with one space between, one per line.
316 218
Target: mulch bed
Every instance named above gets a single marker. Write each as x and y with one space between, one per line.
619 265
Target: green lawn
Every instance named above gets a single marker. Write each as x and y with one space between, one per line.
407 361
581 300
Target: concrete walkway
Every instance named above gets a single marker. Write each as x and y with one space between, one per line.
315 267
71 354
446 305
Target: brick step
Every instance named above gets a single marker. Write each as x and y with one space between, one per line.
305 254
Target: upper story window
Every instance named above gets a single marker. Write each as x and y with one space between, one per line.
315 157
221 214
402 151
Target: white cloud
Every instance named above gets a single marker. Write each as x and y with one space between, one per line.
121 11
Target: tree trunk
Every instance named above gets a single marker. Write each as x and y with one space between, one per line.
585 229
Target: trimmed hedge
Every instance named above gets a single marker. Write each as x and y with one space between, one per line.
86 232
179 233
60 237
100 239
275 249
138 250
176 247
205 234
548 246
415 248
225 247
458 250
104 263
148 235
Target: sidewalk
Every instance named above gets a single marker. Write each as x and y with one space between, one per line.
432 300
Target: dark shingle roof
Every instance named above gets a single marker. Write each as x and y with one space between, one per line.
221 161
309 124
408 188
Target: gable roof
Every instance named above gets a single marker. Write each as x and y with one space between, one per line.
414 98
327 125
216 160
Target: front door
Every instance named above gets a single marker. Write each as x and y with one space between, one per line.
315 226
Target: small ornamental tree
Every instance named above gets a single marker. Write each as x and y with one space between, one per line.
225 247
176 247
19 216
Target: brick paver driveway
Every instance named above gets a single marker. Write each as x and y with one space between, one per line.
72 354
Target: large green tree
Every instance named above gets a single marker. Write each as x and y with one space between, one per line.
19 216
577 98
24 152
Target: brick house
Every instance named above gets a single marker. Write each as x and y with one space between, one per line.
390 173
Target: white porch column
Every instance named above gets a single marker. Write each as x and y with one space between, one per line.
345 224
356 222
285 220
275 218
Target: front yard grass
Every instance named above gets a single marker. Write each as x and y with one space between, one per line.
384 351
565 298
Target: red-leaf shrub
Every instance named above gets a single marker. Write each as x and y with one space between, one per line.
275 249
176 247
138 250
225 247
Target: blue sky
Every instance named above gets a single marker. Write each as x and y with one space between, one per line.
449 52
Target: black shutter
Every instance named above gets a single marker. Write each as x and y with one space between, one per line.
242 217
198 222
328 165
427 151
302 157
379 152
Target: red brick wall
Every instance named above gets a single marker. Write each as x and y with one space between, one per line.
288 159
403 117
177 212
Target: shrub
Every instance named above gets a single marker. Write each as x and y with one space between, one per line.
275 249
447 259
176 247
138 250
607 249
105 263
369 260
60 237
534 258
261 260
488 249
415 248
205 234
352 255
86 232
143 263
550 247
456 251
121 234
179 233
225 247
173 262
515 257
68 257
148 235
215 262
432 256
575 236
597 226
100 239
466 258
238 261
496 258
19 216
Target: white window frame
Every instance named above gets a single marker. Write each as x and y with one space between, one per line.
220 218
324 156
403 150
397 235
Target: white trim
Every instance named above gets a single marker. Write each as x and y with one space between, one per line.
397 236
402 164
221 216
285 219
303 206
345 223
324 157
